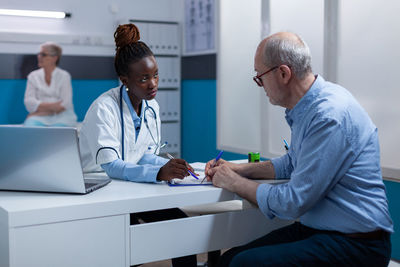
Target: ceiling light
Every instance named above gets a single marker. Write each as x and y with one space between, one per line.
35 13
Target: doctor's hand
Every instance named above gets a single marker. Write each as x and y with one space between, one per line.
190 168
174 168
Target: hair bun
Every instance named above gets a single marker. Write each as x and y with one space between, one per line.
126 34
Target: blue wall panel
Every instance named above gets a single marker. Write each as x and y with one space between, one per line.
393 191
12 109
199 114
86 91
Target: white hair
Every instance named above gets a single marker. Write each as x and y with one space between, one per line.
293 52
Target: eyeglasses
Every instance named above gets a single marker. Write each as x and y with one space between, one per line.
257 78
42 54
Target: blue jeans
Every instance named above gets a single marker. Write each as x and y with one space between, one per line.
298 245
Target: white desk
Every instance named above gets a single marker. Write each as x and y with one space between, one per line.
40 229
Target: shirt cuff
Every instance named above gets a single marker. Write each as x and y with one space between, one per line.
131 172
262 195
32 106
281 167
153 159
149 174
161 161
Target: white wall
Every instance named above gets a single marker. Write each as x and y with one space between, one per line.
246 121
284 15
90 29
238 118
368 66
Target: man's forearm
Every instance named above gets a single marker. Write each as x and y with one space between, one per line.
247 189
258 170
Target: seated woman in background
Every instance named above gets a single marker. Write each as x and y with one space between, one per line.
48 95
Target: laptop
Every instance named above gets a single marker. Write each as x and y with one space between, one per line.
44 159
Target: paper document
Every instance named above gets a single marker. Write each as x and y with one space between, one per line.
190 180
198 166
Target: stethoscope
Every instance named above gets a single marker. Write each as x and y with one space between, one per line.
157 141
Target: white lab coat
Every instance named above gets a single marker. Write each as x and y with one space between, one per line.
60 89
100 135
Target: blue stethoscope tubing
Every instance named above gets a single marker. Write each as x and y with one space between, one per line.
156 142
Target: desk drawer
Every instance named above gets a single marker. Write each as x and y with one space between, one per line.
99 242
168 239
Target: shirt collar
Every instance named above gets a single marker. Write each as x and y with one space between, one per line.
304 103
131 110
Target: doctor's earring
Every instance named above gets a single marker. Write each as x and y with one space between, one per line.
127 89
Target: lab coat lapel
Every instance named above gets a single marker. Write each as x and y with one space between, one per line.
135 149
129 135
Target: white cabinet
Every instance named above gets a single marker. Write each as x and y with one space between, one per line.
171 134
71 243
163 38
169 103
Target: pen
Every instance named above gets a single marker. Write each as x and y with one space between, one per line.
219 156
286 145
163 145
216 159
159 146
191 173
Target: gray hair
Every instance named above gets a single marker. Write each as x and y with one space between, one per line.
54 50
293 52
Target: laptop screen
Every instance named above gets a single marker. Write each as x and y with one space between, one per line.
40 159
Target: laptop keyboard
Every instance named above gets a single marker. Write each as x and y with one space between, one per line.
93 184
88 185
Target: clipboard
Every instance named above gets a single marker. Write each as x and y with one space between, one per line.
190 180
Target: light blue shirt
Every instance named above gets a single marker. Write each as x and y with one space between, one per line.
137 121
149 165
333 165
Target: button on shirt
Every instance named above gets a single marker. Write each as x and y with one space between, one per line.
333 165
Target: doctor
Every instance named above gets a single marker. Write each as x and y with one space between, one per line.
121 131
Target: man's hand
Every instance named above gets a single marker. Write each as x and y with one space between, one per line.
212 164
223 176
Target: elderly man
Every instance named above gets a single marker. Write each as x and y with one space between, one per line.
333 163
